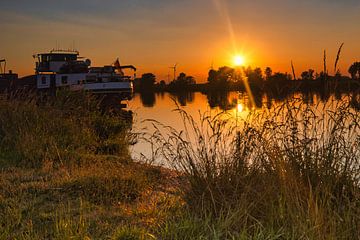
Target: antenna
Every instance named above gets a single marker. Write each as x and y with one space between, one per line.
174 68
57 45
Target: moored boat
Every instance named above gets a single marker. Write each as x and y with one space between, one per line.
65 69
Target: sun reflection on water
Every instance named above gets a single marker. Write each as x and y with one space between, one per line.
240 107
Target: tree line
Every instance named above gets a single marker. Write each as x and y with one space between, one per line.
148 82
227 78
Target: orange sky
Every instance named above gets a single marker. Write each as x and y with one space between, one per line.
155 34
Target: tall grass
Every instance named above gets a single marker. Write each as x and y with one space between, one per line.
294 170
338 58
58 130
55 152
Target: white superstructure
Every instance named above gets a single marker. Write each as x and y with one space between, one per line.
59 69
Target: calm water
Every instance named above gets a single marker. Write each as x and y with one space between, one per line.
160 107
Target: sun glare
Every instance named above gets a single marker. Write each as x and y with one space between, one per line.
239 60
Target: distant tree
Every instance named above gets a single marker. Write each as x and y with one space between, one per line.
257 74
354 70
279 77
162 84
304 75
212 76
145 83
225 75
254 76
308 75
190 80
148 79
219 80
268 73
182 82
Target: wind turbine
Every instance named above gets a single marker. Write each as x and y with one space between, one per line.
1 69
212 65
174 68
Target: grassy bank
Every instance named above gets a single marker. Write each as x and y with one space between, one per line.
66 173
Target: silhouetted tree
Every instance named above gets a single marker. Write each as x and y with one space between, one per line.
145 83
254 76
162 83
148 80
279 77
268 73
308 75
354 70
182 82
220 79
212 76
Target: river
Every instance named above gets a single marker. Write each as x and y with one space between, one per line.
160 108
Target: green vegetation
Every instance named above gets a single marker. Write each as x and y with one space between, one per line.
66 173
292 173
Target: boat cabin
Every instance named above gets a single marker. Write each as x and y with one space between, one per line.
65 69
53 61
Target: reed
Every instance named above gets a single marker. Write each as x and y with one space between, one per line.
325 68
292 171
293 70
338 58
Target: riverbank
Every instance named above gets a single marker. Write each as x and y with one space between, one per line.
66 172
106 197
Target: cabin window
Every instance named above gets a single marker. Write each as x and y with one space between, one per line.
43 80
64 79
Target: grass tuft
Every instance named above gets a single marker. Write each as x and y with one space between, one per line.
294 170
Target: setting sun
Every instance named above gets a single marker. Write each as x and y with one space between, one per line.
239 60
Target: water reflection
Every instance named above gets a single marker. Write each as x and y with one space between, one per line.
148 99
220 99
240 107
184 98
226 101
160 107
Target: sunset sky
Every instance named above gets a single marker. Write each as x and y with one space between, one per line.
155 34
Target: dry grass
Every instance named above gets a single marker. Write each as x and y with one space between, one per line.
66 173
93 200
292 172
